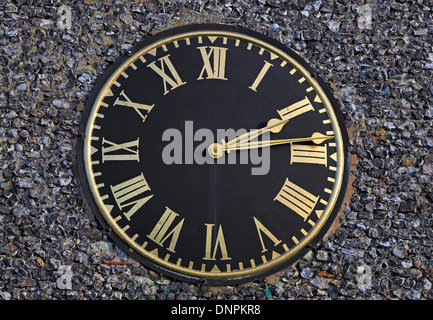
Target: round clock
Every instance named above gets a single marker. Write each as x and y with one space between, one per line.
213 154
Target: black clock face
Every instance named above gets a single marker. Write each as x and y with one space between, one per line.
213 154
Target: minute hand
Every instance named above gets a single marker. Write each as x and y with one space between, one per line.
317 138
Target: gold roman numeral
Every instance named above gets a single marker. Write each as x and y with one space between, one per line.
296 109
216 70
126 194
174 80
260 76
161 233
128 151
138 107
262 229
299 200
219 243
308 154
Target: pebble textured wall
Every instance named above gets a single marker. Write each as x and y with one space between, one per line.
376 56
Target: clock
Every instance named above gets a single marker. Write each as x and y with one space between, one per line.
213 154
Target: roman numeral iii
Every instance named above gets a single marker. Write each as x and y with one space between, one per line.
214 69
308 154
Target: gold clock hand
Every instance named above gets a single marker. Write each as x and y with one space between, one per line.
316 137
274 125
216 150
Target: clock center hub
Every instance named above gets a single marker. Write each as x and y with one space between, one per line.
216 150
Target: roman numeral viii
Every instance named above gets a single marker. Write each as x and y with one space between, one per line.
129 194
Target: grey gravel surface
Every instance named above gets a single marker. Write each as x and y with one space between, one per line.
376 56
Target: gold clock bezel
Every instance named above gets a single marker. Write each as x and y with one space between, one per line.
192 272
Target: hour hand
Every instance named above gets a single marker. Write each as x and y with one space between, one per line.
274 126
216 150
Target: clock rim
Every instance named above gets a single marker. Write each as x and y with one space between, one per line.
97 207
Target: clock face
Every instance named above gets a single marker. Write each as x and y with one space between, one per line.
214 154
